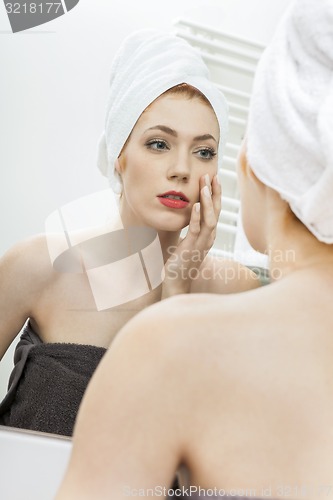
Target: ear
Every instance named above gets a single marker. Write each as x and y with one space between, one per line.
242 160
117 166
244 164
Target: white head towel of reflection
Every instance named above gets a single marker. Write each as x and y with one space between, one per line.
290 143
147 64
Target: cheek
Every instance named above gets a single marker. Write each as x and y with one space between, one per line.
253 218
250 225
133 172
212 168
138 183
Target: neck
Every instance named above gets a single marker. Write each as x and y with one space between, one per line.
169 241
292 247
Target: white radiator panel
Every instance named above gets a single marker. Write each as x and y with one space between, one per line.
232 62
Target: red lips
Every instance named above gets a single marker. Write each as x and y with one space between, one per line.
174 199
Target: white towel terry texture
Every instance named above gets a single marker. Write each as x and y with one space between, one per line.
147 64
290 129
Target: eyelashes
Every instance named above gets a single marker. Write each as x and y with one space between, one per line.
209 153
159 145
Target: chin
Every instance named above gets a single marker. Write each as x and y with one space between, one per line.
169 227
168 223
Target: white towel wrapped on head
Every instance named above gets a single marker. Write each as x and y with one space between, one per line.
290 130
147 64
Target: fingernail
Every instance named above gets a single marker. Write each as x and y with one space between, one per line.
197 207
218 179
206 191
207 180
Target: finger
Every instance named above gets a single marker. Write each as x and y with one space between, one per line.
190 240
208 218
203 181
194 225
216 195
207 215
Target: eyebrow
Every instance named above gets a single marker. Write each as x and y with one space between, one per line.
204 137
172 132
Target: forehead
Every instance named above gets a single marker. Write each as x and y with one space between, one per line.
185 115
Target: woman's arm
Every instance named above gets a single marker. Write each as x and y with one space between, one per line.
222 276
21 279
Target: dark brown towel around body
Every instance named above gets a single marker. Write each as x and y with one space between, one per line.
47 384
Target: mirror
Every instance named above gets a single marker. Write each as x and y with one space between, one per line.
53 94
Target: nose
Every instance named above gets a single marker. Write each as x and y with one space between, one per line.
180 168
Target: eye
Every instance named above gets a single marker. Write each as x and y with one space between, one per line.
206 153
157 145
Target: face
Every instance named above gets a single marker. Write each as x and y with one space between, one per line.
172 145
253 201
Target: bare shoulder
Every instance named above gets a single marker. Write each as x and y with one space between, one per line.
254 328
25 271
29 259
220 275
274 322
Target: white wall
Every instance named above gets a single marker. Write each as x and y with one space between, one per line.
53 90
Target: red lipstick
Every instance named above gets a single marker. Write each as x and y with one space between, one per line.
174 199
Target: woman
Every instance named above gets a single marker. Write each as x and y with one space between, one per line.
238 393
164 134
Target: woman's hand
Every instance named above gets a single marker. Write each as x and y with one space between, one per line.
183 265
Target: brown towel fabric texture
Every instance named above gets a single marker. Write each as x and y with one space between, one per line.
47 383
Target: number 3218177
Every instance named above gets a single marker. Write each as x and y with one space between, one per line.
33 8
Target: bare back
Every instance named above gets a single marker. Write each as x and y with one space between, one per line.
265 425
